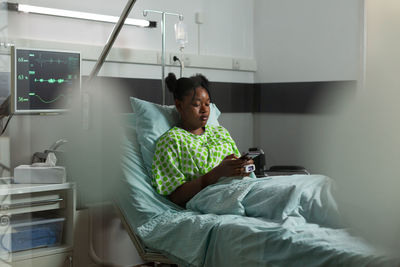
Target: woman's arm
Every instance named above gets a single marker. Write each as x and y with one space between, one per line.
230 166
186 191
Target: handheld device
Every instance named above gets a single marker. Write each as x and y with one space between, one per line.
249 168
250 154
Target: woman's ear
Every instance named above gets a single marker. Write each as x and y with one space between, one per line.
178 105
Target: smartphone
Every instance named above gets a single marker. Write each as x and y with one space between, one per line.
251 155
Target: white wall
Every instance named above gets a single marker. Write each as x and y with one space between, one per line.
240 126
365 151
227 31
297 41
358 146
289 139
227 28
309 40
222 34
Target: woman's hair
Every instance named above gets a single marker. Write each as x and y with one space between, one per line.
184 86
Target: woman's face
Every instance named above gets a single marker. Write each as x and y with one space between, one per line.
194 110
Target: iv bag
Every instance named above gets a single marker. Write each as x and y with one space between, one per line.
181 34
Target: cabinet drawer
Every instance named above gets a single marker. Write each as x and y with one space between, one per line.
54 260
25 203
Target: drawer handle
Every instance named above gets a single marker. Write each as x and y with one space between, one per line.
4 220
30 204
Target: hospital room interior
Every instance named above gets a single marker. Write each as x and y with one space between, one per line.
311 87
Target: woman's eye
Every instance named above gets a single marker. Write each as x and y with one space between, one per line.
207 104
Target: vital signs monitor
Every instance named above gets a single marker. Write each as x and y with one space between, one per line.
43 80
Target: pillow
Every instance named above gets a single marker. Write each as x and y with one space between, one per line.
136 196
153 120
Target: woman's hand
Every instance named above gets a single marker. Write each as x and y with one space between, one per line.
231 165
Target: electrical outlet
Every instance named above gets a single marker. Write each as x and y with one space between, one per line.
235 64
184 58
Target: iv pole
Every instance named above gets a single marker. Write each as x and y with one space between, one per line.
145 12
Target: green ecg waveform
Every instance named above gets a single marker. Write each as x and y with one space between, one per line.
50 101
41 61
22 99
44 101
50 80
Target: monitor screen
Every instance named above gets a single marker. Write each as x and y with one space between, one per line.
44 80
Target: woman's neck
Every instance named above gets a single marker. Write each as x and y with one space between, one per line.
196 131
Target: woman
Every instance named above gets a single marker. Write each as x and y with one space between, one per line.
190 159
193 155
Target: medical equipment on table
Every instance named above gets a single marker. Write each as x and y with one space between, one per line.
41 172
43 169
42 156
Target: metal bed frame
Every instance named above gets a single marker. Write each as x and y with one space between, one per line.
145 253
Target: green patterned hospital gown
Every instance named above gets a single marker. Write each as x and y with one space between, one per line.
181 156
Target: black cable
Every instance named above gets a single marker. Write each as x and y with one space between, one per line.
175 58
5 127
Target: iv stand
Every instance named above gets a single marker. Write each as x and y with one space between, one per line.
145 12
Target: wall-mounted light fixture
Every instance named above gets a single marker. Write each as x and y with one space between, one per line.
78 15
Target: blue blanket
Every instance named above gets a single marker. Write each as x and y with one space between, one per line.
307 197
225 236
280 221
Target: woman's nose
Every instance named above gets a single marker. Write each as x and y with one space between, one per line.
203 109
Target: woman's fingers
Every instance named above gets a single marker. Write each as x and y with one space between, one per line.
231 156
238 162
235 166
240 172
251 161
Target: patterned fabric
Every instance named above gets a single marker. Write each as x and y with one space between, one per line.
181 156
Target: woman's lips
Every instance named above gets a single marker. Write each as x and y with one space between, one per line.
203 118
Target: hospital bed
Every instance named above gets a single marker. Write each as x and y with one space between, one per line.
166 233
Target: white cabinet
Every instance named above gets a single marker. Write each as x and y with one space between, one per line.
29 203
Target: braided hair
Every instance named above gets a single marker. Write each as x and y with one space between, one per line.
184 86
